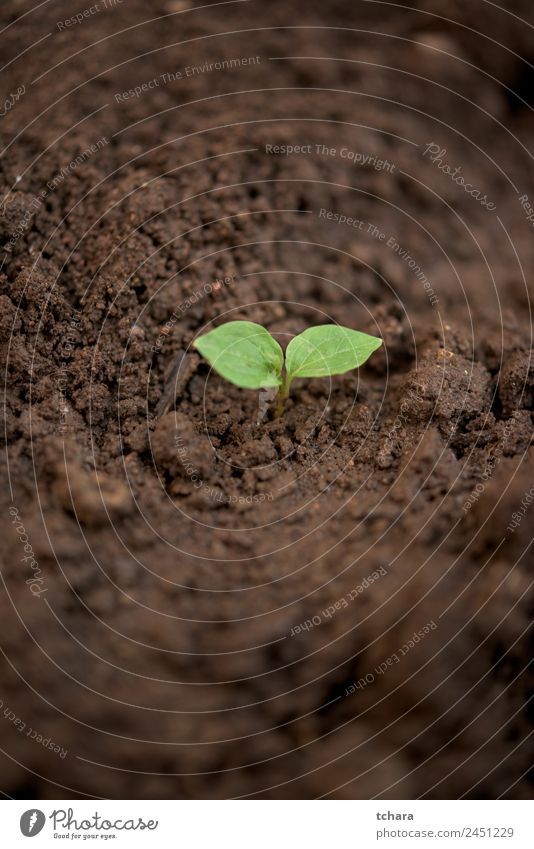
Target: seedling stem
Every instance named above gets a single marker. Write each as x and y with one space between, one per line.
282 396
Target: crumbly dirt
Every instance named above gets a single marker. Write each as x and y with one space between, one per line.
216 603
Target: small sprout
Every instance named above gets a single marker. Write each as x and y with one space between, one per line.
247 355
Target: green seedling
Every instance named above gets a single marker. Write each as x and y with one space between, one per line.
248 356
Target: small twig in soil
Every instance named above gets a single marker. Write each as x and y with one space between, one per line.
179 374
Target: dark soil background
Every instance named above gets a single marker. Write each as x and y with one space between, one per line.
193 617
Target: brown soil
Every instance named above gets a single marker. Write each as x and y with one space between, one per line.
197 625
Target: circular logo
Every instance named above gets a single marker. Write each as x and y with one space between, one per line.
32 822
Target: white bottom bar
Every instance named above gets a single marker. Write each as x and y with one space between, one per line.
268 824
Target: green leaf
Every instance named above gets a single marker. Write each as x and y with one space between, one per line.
244 353
328 350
